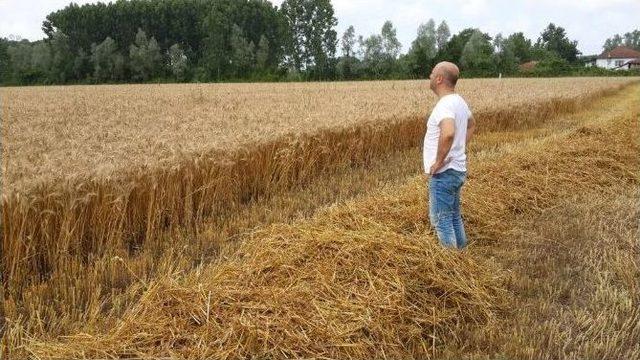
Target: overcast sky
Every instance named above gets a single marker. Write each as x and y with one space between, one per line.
590 22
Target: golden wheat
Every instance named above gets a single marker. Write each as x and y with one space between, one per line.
363 279
61 233
58 133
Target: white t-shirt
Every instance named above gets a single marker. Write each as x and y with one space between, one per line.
454 107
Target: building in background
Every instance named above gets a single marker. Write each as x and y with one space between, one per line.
620 58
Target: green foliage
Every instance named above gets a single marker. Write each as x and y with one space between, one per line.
144 57
452 51
630 40
504 57
380 53
232 40
519 46
442 35
554 40
5 64
348 65
178 62
242 52
612 43
311 44
477 54
262 53
349 42
424 49
108 63
61 67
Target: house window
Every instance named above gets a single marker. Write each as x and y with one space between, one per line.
619 63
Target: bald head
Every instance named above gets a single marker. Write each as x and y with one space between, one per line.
449 72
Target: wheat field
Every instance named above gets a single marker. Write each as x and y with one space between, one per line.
54 134
289 221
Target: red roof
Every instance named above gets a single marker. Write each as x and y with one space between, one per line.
621 52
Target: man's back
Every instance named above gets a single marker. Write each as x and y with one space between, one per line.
451 106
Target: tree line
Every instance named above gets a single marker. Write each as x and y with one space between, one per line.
228 40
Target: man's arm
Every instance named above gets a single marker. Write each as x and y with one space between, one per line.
471 128
447 132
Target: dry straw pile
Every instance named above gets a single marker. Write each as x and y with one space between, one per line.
360 280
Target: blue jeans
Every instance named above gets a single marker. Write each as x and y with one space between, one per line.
444 207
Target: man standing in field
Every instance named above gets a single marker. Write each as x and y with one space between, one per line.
449 129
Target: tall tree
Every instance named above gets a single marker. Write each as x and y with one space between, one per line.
5 64
313 39
108 63
373 56
348 42
243 52
20 55
347 67
390 42
452 51
477 53
262 53
380 52
554 39
144 57
178 62
442 35
632 39
423 50
82 66
612 42
520 46
504 58
62 58
41 59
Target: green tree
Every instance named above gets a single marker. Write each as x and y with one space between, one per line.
20 59
520 46
554 39
41 59
255 18
477 54
144 57
82 67
312 38
262 54
390 42
348 42
62 58
108 64
243 52
452 51
380 52
202 28
373 56
442 35
632 39
5 63
612 43
178 62
347 67
504 58
423 50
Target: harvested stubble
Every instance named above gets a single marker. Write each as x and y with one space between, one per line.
52 227
362 280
